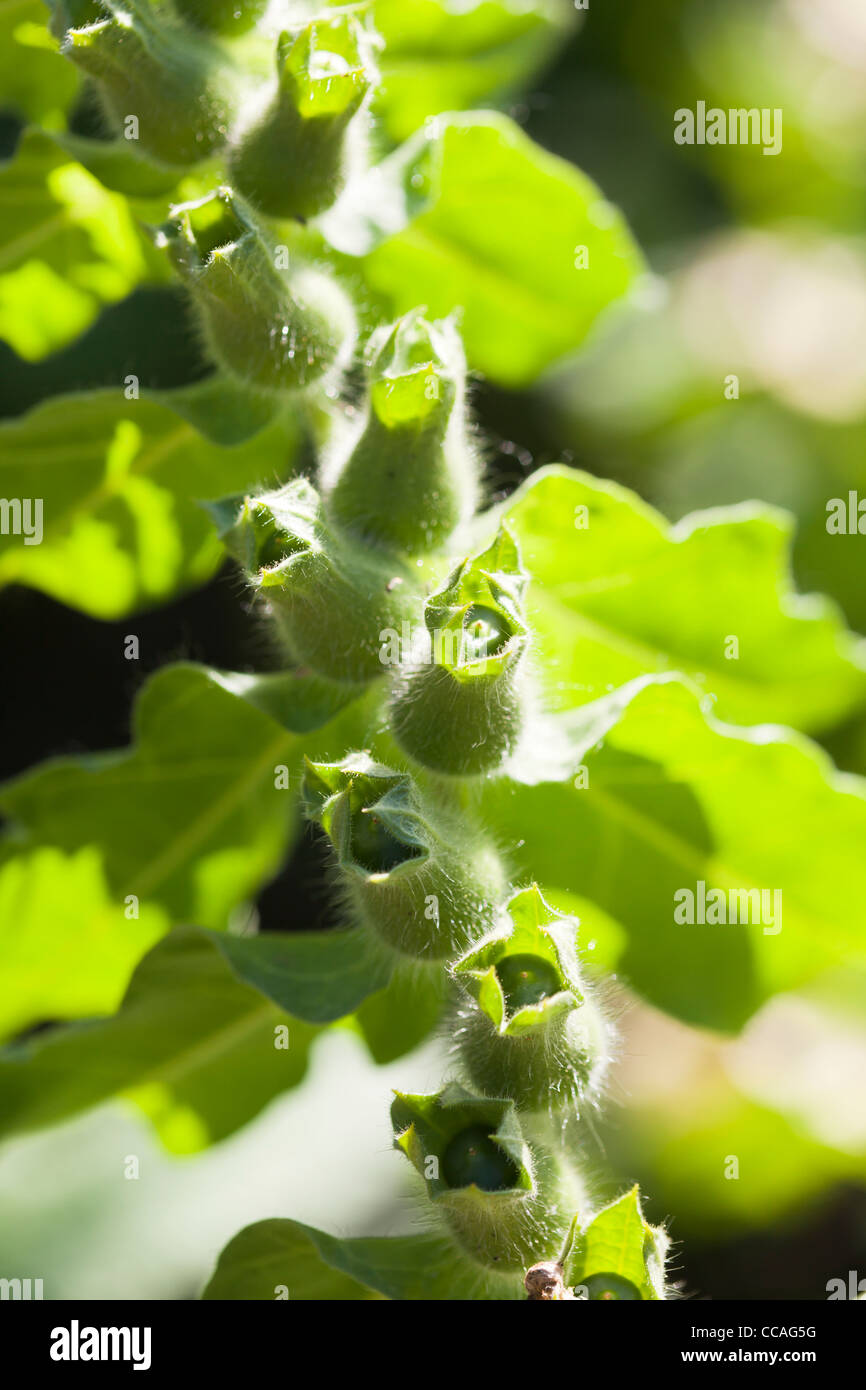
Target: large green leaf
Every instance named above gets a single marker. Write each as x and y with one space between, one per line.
34 83
67 246
313 1265
119 482
617 592
669 799
471 215
446 55
184 826
193 817
194 1045
66 948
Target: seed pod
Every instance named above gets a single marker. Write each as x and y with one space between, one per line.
331 598
183 93
293 160
411 474
457 704
274 330
227 17
424 882
501 1195
532 1030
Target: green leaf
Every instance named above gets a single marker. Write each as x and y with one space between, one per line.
617 592
118 480
398 1018
34 82
190 1042
313 1265
190 817
620 1241
67 247
318 976
184 826
445 55
669 799
511 268
66 949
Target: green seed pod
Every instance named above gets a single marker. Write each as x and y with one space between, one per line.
532 1031
410 476
227 17
331 597
183 95
501 1195
419 878
292 161
457 704
274 330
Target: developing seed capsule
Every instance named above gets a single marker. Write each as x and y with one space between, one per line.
457 708
410 476
293 160
610 1288
531 1029
331 598
424 883
182 93
227 17
274 330
502 1195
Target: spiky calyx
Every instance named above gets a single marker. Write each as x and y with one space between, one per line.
457 706
502 1196
531 1028
424 884
293 161
183 92
410 475
273 329
331 598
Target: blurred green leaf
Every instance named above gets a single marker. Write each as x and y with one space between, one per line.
66 948
119 481
34 83
196 1044
397 1019
445 55
313 1265
669 798
495 228
617 592
67 247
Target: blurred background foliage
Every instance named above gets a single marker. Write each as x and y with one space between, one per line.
759 270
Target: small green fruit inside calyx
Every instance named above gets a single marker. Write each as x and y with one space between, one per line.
373 846
472 1157
610 1288
526 979
485 633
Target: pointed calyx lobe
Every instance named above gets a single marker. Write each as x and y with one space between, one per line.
410 475
293 159
182 88
330 597
457 707
530 1028
273 329
425 884
498 1192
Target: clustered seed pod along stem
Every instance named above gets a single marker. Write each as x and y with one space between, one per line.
378 545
